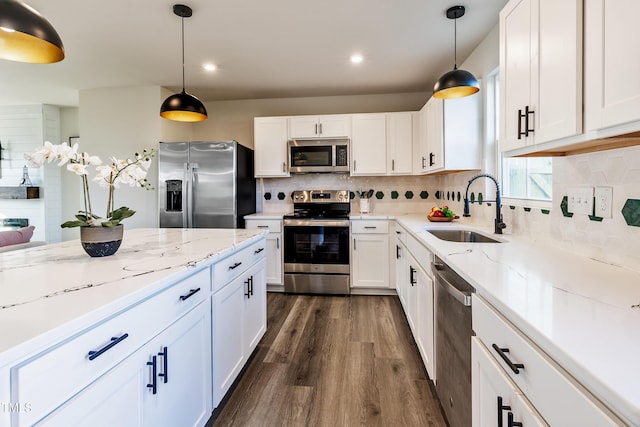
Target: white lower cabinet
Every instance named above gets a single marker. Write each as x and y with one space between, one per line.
425 320
274 247
370 254
239 321
537 381
414 285
495 399
167 382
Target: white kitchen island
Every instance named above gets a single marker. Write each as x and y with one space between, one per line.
128 339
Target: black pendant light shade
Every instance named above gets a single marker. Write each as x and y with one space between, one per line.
26 36
183 107
455 83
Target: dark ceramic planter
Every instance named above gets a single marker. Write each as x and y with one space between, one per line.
101 241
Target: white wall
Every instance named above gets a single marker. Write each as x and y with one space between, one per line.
119 122
234 119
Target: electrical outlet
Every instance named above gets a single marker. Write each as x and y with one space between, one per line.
603 202
580 200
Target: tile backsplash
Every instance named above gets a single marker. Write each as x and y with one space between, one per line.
392 195
610 240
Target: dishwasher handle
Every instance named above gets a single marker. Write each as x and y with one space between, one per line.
460 296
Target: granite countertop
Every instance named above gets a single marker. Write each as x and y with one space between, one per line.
583 313
44 289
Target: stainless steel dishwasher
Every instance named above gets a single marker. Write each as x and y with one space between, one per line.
453 343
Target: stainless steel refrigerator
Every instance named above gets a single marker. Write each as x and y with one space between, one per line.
205 184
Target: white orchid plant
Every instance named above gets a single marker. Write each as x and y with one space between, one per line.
126 171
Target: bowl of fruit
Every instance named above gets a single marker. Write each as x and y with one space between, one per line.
443 214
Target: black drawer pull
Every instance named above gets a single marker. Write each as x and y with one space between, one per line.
114 341
501 408
189 295
397 252
257 251
154 372
165 365
234 266
515 367
370 227
248 283
510 421
263 226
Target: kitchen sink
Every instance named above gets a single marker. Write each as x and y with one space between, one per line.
465 236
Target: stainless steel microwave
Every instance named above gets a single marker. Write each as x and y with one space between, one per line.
318 155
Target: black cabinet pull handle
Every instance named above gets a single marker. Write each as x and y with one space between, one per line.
263 226
520 117
114 341
397 252
528 113
501 408
154 372
234 266
165 365
251 284
412 279
515 367
370 227
248 283
257 251
189 295
510 421
432 157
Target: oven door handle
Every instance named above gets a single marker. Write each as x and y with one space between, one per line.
315 223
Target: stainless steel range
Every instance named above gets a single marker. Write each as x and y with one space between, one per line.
316 243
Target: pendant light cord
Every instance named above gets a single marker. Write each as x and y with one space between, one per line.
455 44
182 20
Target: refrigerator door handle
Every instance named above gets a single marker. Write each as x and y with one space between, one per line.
186 211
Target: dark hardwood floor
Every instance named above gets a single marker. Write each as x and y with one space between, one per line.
333 361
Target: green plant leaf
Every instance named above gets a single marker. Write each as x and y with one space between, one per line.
120 214
71 224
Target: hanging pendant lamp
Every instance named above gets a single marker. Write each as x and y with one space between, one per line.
183 107
456 83
26 36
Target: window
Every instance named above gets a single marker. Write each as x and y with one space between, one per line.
528 178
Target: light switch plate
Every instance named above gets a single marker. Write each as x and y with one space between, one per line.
603 202
580 200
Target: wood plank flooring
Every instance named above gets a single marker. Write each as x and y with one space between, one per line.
333 361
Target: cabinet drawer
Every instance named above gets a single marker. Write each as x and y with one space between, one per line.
273 225
49 379
229 268
373 226
560 400
420 253
401 233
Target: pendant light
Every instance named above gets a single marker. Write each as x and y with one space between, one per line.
456 83
26 36
183 107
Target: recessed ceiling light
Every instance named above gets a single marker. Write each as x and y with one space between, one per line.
209 67
356 58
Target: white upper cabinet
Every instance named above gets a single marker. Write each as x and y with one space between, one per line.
328 126
612 64
450 135
368 144
270 144
540 72
400 143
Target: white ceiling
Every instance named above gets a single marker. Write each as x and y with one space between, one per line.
263 48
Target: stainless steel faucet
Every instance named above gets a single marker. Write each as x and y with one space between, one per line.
498 224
